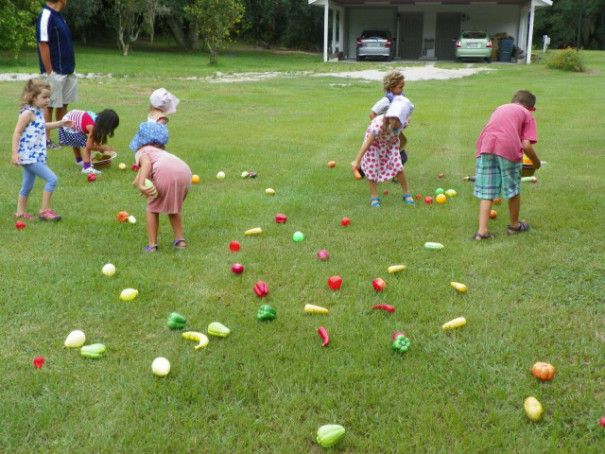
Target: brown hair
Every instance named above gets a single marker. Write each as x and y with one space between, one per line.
392 79
33 87
525 98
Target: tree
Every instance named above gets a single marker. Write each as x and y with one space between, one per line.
16 19
80 16
572 23
154 8
214 20
126 17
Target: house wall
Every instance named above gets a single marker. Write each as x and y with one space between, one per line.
491 18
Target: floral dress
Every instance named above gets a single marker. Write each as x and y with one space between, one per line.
382 161
32 143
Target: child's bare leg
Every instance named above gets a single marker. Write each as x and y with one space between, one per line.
403 181
177 227
485 207
21 205
85 153
373 188
46 200
152 227
77 154
514 208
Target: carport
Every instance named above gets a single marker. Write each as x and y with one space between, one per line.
425 29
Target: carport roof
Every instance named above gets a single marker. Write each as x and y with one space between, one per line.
537 3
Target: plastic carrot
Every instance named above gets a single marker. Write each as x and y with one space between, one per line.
325 337
384 307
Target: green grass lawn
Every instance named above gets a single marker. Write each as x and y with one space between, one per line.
269 386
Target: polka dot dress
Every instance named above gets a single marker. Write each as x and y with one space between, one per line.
382 160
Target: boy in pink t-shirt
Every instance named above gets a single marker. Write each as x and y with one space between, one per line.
510 132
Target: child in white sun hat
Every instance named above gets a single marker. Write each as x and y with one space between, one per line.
379 156
161 104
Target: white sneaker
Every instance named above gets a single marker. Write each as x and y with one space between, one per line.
91 170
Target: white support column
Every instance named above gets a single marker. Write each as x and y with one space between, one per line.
333 46
530 32
326 17
341 30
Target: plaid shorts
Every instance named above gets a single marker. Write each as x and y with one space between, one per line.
494 175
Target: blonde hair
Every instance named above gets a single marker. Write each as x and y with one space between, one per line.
392 80
33 87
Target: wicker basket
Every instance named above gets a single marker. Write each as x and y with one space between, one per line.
105 162
527 170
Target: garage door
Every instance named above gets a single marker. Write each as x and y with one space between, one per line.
368 19
410 31
448 30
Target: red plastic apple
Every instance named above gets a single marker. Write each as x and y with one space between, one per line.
91 177
418 196
134 168
281 218
261 289
39 362
428 200
20 225
323 255
335 282
237 268
602 421
345 221
379 284
234 246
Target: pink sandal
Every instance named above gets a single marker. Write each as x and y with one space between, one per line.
49 215
27 216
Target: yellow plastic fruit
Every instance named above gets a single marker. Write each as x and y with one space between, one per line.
195 179
396 269
313 309
533 408
128 294
253 232
441 199
453 324
270 191
460 288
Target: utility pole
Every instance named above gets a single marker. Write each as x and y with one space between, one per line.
580 21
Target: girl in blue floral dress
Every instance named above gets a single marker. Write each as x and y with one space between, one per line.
29 148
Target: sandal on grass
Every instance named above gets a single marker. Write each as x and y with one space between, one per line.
27 216
375 202
150 248
522 227
408 199
179 244
480 237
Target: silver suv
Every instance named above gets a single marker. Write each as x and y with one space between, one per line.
375 44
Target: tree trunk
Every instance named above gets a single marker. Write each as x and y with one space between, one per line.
177 32
194 36
212 55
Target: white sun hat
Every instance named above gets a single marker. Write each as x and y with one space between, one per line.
400 109
163 100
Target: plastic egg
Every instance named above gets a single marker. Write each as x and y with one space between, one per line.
108 269
160 366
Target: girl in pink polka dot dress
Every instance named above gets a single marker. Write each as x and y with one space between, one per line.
379 156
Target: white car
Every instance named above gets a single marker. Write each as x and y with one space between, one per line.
375 44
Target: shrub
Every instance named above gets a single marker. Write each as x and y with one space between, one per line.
566 60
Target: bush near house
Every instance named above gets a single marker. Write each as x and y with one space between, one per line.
569 59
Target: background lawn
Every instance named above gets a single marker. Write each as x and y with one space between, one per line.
269 386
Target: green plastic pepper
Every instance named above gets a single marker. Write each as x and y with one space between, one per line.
266 312
176 321
401 344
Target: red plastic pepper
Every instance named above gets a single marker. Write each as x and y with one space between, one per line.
384 307
325 337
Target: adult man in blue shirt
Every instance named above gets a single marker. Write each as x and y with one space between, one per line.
56 57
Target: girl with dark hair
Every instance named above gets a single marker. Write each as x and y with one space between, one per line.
90 132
